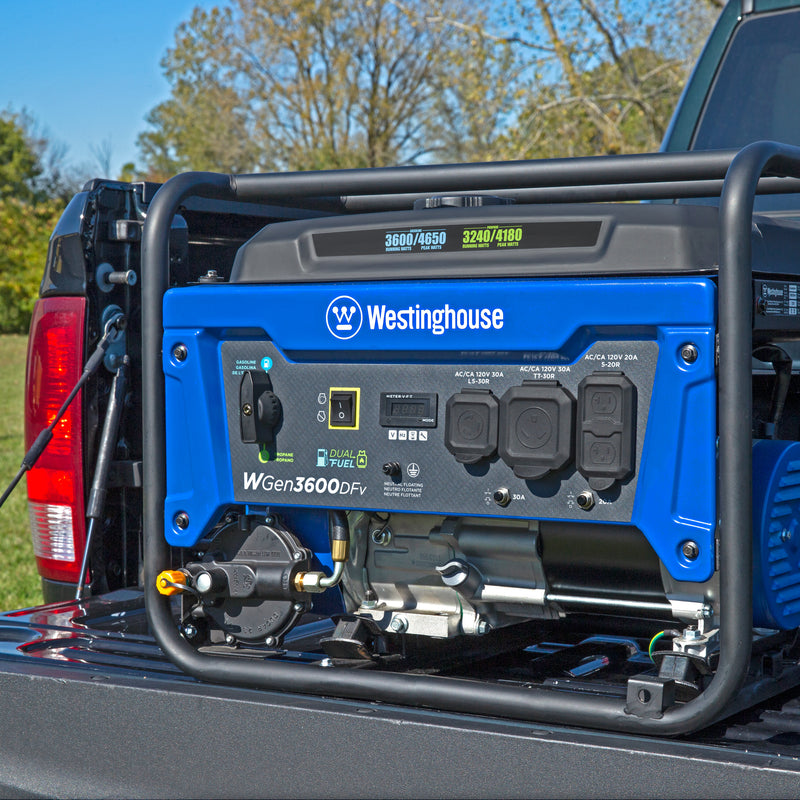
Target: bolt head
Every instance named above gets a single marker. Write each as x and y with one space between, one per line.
182 520
247 409
483 627
689 353
690 550
399 624
189 631
180 353
230 639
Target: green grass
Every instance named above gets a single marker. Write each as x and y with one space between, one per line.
20 586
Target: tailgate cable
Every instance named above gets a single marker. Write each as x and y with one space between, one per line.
113 329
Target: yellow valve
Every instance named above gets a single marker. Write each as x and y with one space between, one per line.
166 579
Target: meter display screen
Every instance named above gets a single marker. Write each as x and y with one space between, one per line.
401 409
408 410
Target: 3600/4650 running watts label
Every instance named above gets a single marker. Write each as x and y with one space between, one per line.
522 235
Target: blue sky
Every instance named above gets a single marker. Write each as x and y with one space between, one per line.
87 70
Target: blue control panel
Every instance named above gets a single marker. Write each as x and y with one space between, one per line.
583 400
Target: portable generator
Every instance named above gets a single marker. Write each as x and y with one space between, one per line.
471 445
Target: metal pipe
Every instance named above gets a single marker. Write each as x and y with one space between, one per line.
605 193
448 178
329 582
609 602
105 454
741 172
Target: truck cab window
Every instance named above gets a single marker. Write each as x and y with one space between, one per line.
756 94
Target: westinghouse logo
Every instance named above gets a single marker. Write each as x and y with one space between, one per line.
344 317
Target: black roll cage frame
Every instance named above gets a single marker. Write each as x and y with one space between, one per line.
734 175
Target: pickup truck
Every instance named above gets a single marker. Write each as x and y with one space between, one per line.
477 466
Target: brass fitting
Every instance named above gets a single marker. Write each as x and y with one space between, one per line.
308 582
316 582
340 550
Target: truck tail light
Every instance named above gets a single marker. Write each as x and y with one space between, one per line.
55 483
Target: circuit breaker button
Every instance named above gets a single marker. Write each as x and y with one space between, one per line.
607 428
470 431
536 421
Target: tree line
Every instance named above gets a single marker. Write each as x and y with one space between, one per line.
265 85
259 85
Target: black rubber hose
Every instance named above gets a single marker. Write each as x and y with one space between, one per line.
541 704
338 527
783 378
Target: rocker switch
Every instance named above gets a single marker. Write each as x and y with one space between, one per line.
343 409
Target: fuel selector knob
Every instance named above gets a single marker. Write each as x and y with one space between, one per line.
470 428
260 409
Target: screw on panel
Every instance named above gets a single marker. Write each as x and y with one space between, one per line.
180 353
786 535
689 353
182 520
230 639
690 550
247 409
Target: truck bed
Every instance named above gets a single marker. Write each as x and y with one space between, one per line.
92 708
